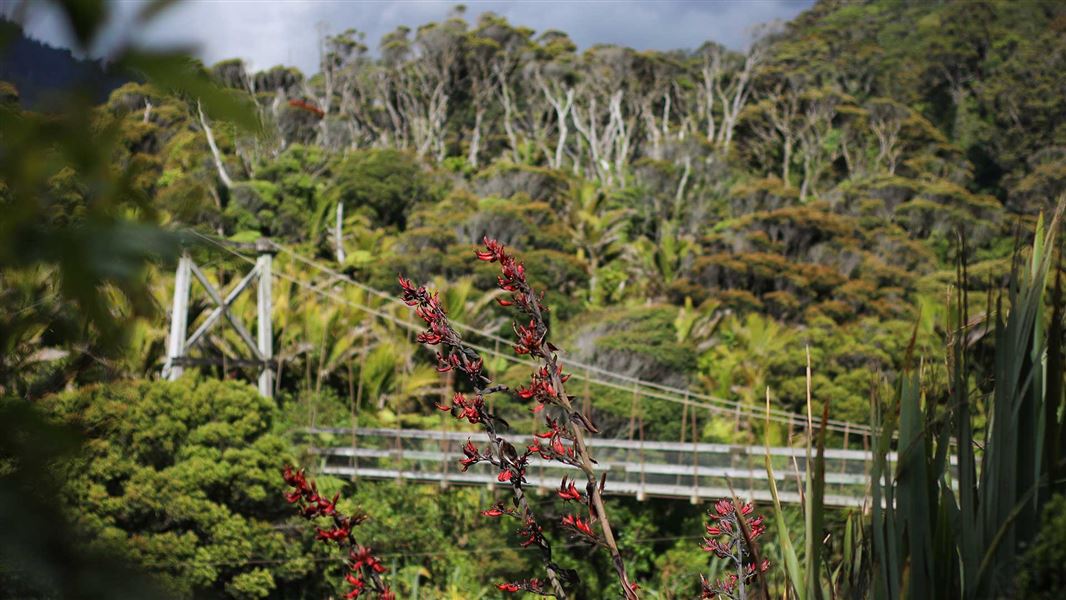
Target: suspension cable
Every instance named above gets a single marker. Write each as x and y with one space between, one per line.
580 370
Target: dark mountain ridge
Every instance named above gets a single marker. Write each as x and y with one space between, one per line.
41 72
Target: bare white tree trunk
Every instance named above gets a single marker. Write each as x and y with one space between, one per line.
621 136
386 90
684 180
711 72
666 113
587 126
736 96
226 181
815 128
610 146
654 133
503 88
562 101
475 137
886 128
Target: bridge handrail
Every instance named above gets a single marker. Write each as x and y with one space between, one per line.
736 473
617 488
595 442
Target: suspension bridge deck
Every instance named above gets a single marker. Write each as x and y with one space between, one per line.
694 471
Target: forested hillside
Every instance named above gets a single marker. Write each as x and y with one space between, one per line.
807 192
701 218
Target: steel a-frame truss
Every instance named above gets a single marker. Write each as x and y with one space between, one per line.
261 348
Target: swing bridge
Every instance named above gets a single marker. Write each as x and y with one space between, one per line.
644 469
678 469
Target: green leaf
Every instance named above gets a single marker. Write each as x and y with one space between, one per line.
792 568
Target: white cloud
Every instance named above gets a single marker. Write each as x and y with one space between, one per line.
269 32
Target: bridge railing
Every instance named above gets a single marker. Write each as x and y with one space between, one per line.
696 471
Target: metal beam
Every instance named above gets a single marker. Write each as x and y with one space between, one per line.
179 317
233 320
265 350
261 347
216 313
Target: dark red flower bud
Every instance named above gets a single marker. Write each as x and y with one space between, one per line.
558 447
428 338
579 525
569 491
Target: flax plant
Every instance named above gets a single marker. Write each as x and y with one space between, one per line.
943 530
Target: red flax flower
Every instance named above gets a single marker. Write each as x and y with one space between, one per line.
554 449
498 510
473 456
569 491
464 408
493 251
580 526
529 338
731 537
531 534
364 569
546 390
533 586
363 558
540 388
453 354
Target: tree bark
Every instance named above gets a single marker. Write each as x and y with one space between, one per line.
226 181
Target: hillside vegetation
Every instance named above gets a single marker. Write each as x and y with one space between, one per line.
699 218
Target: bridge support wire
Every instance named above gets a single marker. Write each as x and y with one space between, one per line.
582 371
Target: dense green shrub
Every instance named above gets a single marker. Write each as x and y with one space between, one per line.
387 183
184 476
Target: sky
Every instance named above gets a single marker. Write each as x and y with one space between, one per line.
269 32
